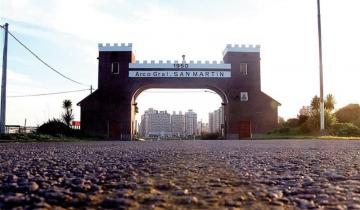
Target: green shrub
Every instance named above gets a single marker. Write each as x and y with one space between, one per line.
292 123
305 128
211 136
345 129
349 114
302 119
286 131
312 125
283 130
55 127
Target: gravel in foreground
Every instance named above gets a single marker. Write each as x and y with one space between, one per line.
272 174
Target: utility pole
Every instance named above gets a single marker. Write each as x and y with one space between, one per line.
91 89
3 83
322 120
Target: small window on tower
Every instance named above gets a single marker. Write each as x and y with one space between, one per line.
243 69
115 68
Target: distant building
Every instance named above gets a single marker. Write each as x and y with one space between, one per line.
199 127
190 123
205 128
145 122
178 124
160 124
211 122
136 127
202 128
155 123
142 126
216 121
305 111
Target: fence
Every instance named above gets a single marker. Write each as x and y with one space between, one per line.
10 129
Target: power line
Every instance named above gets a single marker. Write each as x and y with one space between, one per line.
2 35
46 94
42 61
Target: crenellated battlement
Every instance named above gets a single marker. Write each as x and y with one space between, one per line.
241 48
168 64
177 61
115 47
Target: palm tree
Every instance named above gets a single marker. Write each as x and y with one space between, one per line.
329 102
68 115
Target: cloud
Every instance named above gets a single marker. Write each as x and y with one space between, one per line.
36 109
19 84
18 78
167 29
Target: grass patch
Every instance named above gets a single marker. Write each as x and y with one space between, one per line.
295 136
298 132
36 137
339 137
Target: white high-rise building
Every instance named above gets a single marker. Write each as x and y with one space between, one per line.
190 123
155 123
216 121
178 124
145 120
211 122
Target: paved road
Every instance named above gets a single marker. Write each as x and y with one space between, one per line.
181 175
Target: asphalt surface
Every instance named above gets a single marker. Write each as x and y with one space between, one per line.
283 174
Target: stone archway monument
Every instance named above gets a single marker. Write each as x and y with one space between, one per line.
110 110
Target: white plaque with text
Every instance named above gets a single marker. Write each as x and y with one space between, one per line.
182 74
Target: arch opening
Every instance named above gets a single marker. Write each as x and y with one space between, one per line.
178 113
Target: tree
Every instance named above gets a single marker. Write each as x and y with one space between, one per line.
292 122
349 114
302 119
329 103
315 103
68 115
313 122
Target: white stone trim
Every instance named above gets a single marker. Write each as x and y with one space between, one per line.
171 65
115 47
242 48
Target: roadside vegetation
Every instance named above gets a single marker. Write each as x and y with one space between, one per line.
54 129
344 122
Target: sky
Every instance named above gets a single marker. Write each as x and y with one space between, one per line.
66 33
